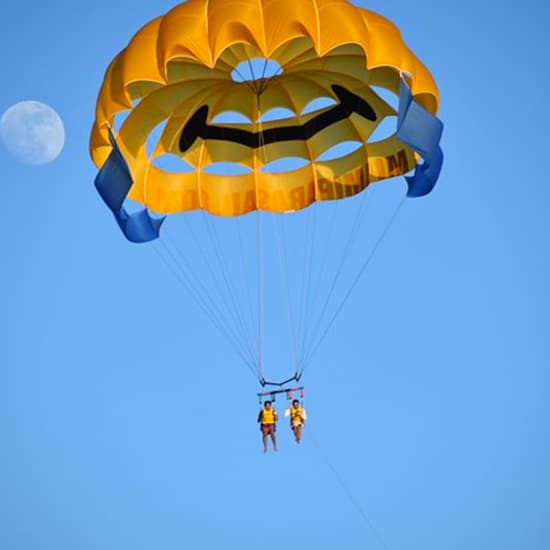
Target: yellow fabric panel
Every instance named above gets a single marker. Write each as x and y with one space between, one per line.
230 98
188 70
228 195
140 61
340 24
288 191
158 106
167 193
289 20
108 104
211 151
293 93
342 165
385 77
117 98
235 21
365 127
384 47
334 134
389 158
283 149
237 53
183 60
296 50
184 31
351 65
330 187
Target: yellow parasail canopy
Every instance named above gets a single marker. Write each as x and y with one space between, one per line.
184 69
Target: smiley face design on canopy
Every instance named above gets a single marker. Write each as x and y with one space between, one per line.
184 70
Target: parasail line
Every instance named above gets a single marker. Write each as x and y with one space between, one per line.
354 284
180 275
351 497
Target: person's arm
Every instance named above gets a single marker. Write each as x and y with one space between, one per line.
260 416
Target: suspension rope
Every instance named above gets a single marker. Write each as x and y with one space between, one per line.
352 236
229 315
308 294
322 268
245 278
259 243
354 284
245 80
263 76
348 492
226 275
179 273
268 80
254 81
193 287
302 294
281 239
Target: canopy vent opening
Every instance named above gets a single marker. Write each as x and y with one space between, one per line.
256 70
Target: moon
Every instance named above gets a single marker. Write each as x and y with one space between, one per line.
32 132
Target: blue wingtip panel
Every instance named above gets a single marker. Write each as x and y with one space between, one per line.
113 183
420 130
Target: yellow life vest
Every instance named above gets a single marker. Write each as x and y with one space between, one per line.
268 416
296 415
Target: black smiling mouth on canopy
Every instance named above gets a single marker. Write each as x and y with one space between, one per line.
349 103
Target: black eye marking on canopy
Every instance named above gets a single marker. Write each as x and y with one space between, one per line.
349 103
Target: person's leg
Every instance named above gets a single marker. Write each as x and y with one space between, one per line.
274 439
298 433
264 439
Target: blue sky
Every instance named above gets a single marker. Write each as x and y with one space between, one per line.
127 420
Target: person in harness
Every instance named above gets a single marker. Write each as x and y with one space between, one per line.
298 417
268 423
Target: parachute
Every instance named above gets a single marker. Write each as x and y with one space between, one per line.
230 90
